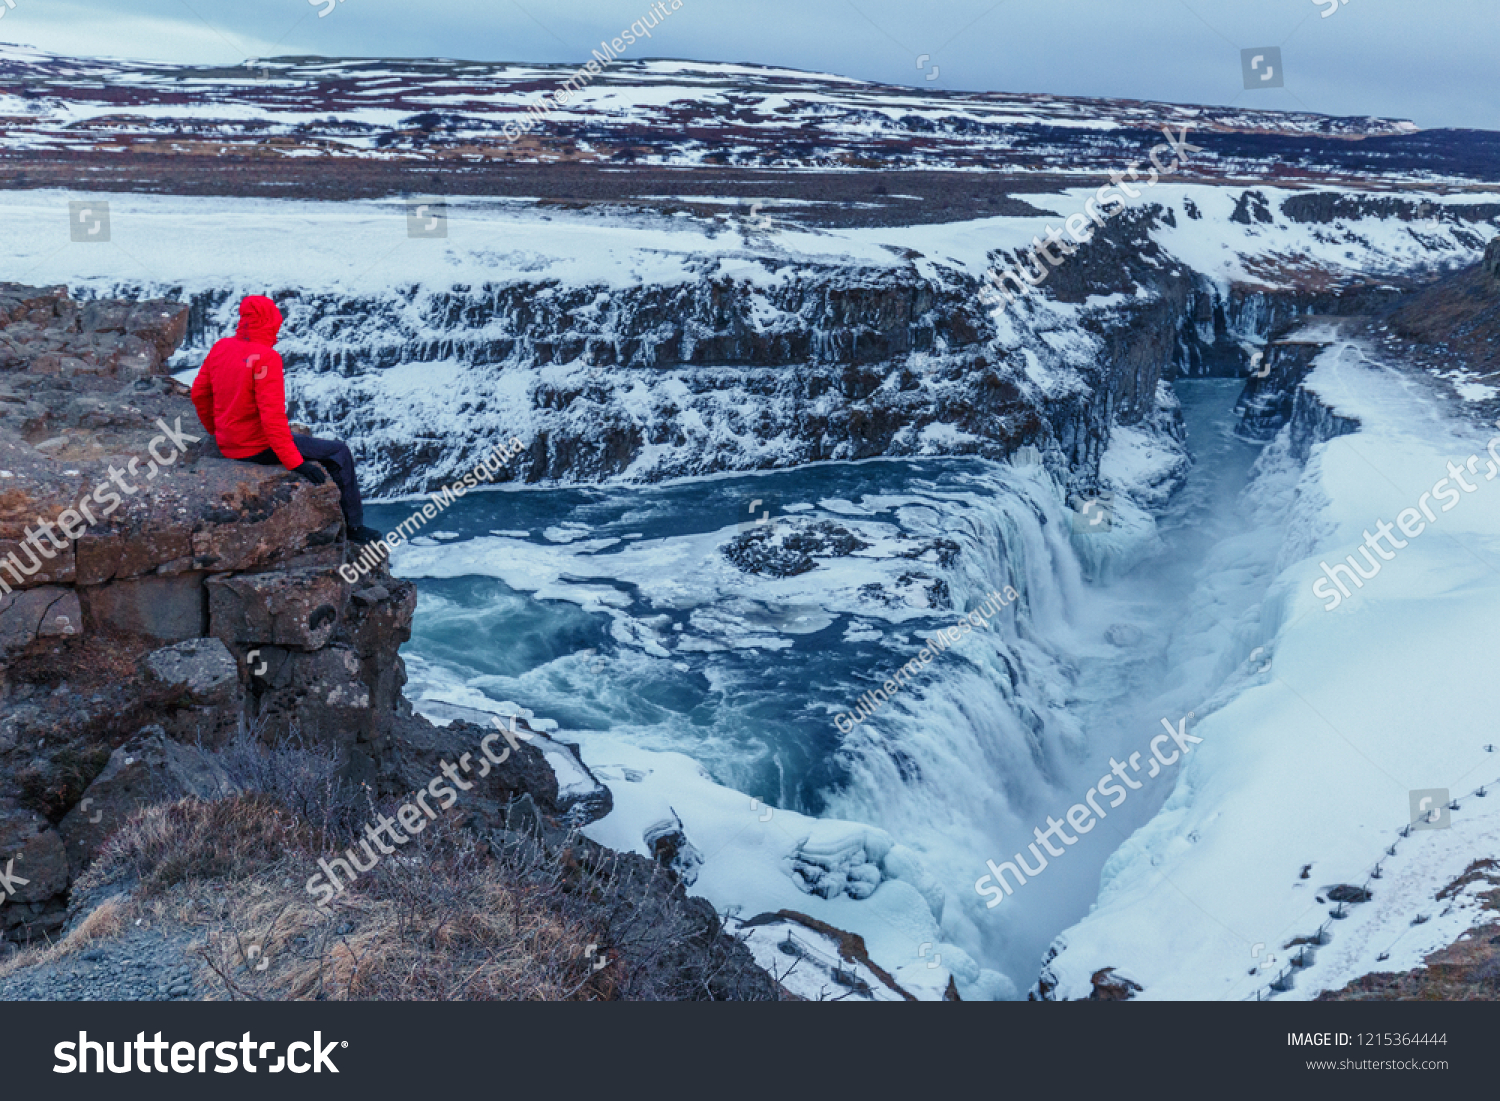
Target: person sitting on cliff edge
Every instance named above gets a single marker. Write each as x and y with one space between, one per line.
240 395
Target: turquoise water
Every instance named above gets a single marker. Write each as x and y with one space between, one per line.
613 608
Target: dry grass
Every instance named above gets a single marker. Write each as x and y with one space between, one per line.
105 921
191 840
441 919
452 914
1466 970
440 923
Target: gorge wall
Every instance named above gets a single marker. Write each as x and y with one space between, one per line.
788 360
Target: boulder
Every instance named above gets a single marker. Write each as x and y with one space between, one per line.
34 614
161 323
378 614
1110 986
789 546
422 749
269 517
104 556
203 668
669 846
57 570
31 849
168 608
103 316
322 693
149 768
298 609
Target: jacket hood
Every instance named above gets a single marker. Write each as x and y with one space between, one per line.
260 320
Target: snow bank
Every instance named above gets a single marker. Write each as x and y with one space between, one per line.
1304 781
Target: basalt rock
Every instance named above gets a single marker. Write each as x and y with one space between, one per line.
202 668
122 528
1109 986
789 547
31 849
178 599
35 615
292 608
42 329
147 769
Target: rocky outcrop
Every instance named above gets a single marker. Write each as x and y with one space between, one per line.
148 583
140 573
1313 207
1455 324
1112 987
777 359
161 605
1466 970
1449 328
819 362
45 332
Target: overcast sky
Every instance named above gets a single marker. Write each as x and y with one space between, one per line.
1435 63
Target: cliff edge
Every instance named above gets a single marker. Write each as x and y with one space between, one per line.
183 669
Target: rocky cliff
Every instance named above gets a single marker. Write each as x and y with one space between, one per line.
769 352
159 604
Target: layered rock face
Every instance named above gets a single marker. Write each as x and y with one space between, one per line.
154 595
766 357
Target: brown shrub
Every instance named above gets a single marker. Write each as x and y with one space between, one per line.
440 920
168 844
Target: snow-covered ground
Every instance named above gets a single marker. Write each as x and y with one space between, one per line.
1303 781
358 290
362 248
698 114
749 857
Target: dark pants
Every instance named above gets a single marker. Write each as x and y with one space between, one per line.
335 457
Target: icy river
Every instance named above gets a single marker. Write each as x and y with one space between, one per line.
615 613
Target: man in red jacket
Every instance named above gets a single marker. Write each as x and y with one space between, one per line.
240 395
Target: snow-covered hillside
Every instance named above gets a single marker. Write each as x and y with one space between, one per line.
1300 794
633 109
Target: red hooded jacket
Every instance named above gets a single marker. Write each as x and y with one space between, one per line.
240 393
